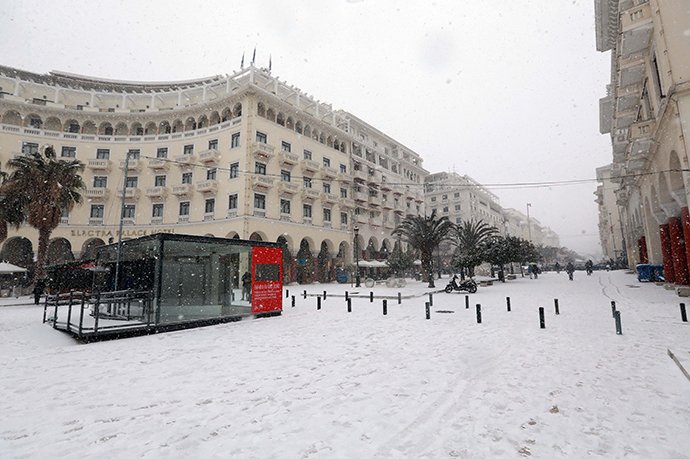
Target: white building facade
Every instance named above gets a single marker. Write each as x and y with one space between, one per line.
243 155
645 110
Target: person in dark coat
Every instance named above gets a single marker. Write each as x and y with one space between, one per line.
39 287
570 269
247 286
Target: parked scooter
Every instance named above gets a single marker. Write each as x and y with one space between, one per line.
468 285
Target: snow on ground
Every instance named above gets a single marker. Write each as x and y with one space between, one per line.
335 385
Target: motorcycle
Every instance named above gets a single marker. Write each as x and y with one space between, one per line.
468 285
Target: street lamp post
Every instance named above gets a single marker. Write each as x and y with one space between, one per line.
357 279
529 224
122 216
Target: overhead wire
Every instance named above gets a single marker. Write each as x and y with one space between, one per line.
445 186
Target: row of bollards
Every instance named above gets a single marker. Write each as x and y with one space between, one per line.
349 300
616 314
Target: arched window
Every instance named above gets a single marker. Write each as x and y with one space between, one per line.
237 110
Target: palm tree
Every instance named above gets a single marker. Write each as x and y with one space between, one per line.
37 191
425 234
468 238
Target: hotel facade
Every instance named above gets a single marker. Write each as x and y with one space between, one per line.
243 155
646 112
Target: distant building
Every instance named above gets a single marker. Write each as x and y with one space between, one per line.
645 110
460 198
610 229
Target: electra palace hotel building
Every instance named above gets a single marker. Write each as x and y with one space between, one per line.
236 156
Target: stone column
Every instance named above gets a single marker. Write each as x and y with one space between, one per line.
680 260
665 237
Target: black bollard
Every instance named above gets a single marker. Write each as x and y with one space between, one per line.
613 309
683 314
347 295
287 293
385 307
349 305
371 297
305 294
431 299
399 298
428 310
293 301
508 303
619 327
324 295
479 313
542 323
555 306
467 301
318 302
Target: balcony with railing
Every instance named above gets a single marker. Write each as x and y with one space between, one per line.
374 200
211 155
330 197
158 163
288 188
183 189
642 140
287 158
157 192
207 186
310 193
329 172
346 202
99 164
262 150
374 177
95 221
133 164
344 177
130 193
261 182
360 196
375 221
97 193
636 27
636 18
185 160
309 166
361 218
360 175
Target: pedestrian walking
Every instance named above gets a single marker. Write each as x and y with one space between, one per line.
39 287
570 269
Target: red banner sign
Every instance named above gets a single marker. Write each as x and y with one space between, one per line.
267 279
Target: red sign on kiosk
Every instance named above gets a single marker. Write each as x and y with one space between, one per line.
267 280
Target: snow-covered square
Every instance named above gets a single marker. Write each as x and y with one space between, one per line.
332 384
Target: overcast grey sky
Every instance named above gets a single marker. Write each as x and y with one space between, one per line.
503 91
